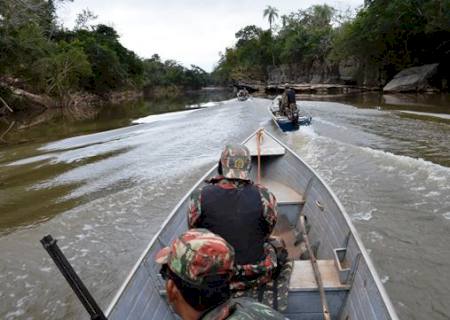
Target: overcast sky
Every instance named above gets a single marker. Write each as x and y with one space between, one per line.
189 31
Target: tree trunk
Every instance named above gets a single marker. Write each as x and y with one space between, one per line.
42 100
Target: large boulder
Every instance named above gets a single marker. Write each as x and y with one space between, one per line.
413 79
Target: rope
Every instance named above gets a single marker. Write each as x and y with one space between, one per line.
259 139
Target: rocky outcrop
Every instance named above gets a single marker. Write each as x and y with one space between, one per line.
317 72
423 78
349 72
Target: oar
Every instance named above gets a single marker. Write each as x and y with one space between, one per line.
317 275
72 278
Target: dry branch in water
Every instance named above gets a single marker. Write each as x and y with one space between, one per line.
6 105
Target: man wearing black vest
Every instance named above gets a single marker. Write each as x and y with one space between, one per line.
241 212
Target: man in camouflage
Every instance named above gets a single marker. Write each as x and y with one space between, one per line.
197 267
289 103
241 212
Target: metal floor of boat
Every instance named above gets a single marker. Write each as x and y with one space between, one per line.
283 193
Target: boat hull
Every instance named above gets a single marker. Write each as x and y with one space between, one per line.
297 188
284 123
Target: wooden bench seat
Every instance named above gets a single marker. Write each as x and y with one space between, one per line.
302 278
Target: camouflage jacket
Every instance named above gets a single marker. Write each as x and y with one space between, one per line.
266 266
242 309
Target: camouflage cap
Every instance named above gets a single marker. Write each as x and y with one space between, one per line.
196 254
236 161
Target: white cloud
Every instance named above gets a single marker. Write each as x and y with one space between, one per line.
191 32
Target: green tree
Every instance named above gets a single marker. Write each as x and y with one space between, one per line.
271 13
84 18
61 71
396 34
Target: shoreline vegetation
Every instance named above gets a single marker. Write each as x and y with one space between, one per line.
45 65
403 43
316 50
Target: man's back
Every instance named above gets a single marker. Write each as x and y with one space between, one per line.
236 214
291 96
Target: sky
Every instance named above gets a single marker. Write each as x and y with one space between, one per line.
189 31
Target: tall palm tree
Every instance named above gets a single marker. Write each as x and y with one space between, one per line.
271 13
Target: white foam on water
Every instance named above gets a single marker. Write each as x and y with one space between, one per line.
446 215
432 194
428 114
13 314
87 227
21 277
31 160
388 168
81 236
308 130
363 216
45 269
385 279
164 116
203 105
209 104
375 236
436 172
318 119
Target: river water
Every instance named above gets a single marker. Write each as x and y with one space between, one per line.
103 184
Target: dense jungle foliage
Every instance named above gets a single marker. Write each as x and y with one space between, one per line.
38 55
388 35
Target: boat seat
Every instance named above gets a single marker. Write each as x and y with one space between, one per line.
302 278
283 193
304 297
269 147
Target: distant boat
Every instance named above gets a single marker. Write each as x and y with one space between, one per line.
242 95
350 283
286 123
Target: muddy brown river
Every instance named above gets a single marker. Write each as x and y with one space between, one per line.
103 181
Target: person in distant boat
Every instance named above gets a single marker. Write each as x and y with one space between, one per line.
289 103
197 267
242 94
242 212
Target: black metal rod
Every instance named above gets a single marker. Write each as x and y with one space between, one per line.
72 278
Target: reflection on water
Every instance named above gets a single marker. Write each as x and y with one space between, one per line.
104 185
27 195
47 125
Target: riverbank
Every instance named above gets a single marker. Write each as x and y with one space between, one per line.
18 98
431 78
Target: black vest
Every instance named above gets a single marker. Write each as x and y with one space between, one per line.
237 216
